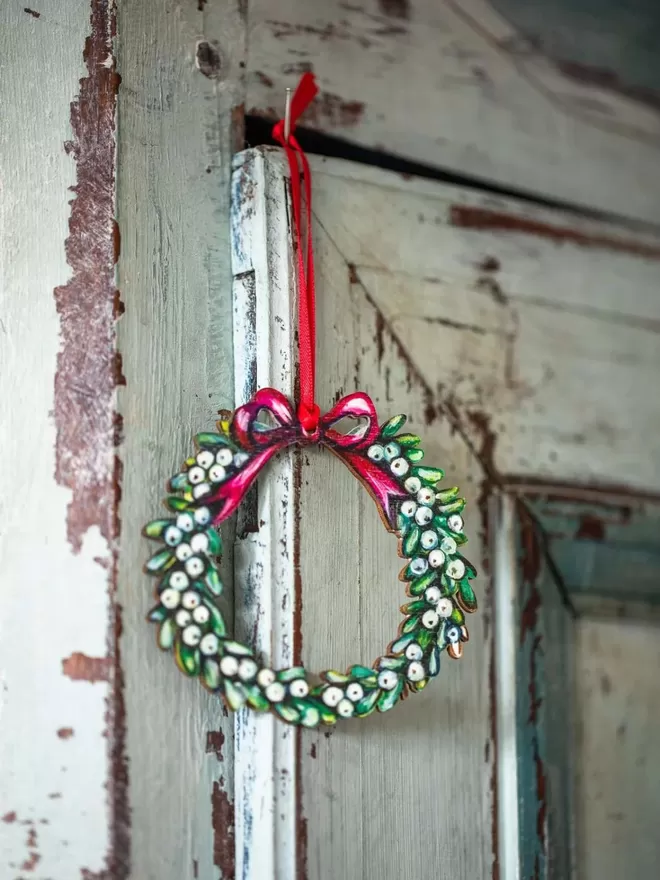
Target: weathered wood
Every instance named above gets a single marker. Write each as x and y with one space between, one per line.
62 799
180 68
478 88
617 749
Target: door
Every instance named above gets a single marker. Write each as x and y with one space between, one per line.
472 315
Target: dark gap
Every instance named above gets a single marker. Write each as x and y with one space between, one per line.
258 132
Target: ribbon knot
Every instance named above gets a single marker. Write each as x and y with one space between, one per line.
261 441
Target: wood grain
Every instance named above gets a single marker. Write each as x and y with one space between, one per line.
460 87
175 150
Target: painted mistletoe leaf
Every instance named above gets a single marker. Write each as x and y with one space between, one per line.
457 617
335 677
287 712
414 454
213 440
166 634
213 582
255 698
215 542
234 694
434 662
447 495
217 621
411 541
415 606
179 482
155 529
395 663
187 658
466 596
408 439
211 673
237 649
420 584
161 561
177 504
400 645
390 428
452 507
367 704
291 674
388 699
157 614
409 624
309 714
424 638
361 672
429 475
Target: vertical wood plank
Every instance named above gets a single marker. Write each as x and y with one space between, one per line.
179 104
62 801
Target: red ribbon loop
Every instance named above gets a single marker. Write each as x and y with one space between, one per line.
308 412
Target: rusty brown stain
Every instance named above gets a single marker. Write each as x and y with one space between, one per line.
32 12
494 790
312 750
329 32
332 111
535 700
603 78
222 821
80 667
215 739
264 79
395 8
65 732
541 799
591 527
31 862
120 851
31 841
85 378
10 817
485 219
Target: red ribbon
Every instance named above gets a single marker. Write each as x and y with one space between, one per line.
308 411
261 442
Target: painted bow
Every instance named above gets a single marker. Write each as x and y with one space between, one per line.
261 441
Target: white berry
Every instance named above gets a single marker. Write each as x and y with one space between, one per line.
448 545
179 580
209 644
426 496
185 522
202 516
436 558
429 539
191 600
332 696
432 595
345 708
408 508
391 451
201 614
199 543
196 475
229 666
354 691
444 607
194 566
299 688
430 619
423 516
172 536
170 598
183 617
201 490
455 522
387 680
456 569
399 467
414 651
418 565
183 551
413 485
217 473
205 459
224 456
275 692
191 635
265 677
375 452
415 672
247 669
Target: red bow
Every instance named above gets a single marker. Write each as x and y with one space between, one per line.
261 442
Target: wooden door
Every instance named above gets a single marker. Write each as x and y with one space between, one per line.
470 314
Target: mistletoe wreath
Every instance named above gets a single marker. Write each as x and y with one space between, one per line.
425 518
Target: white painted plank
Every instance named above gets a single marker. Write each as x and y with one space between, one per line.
265 759
617 749
175 336
456 86
56 603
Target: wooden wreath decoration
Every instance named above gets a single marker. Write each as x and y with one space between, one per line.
426 520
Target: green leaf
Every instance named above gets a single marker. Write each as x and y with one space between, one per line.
234 694
395 663
411 541
390 428
166 634
161 561
157 614
177 504
447 495
290 674
414 454
217 622
287 712
255 698
424 638
466 596
156 528
409 624
335 677
449 586
361 672
452 507
208 439
211 673
408 439
420 584
212 580
309 714
187 658
238 649
402 643
215 542
429 475
457 617
389 698
179 482
434 661
416 605
367 704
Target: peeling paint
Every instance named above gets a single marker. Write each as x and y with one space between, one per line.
222 820
32 12
395 8
80 667
65 732
215 740
486 220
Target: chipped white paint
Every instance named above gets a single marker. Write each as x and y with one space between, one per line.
265 761
53 799
174 158
617 717
455 86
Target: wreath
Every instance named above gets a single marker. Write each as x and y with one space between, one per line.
427 521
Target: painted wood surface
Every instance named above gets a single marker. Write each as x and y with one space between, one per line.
558 100
452 321
59 701
617 749
181 75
